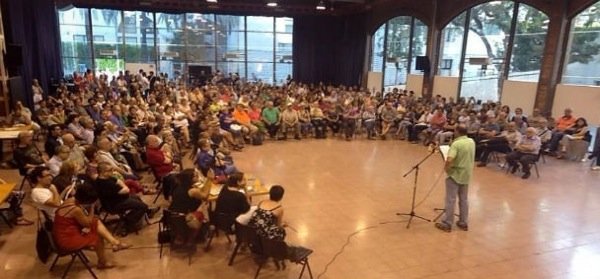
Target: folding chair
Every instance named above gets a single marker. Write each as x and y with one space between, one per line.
280 251
168 228
244 235
119 221
220 222
60 253
534 164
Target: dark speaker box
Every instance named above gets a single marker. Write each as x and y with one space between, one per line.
423 63
15 85
13 56
199 71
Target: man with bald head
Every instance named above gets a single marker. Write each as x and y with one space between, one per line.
76 154
104 155
160 163
525 152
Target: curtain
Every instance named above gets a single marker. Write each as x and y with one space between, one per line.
329 49
33 24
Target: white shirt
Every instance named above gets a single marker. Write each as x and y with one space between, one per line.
54 165
180 123
103 156
40 196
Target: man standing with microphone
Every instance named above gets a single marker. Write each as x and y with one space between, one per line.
459 167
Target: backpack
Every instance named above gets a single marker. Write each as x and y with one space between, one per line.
257 139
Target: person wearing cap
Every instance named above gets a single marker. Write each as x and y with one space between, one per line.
290 119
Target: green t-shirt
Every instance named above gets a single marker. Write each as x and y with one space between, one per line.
271 115
462 150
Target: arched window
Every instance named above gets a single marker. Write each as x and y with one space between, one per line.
395 47
528 44
582 64
492 42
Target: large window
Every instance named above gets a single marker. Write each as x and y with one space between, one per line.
489 32
377 50
528 45
395 46
451 46
283 49
256 48
108 41
138 28
260 48
170 41
490 45
583 56
75 40
231 44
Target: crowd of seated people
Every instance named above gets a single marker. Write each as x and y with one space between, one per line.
118 117
106 132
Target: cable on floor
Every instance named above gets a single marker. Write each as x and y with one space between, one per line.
343 247
349 237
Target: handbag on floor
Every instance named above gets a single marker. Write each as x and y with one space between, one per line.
42 241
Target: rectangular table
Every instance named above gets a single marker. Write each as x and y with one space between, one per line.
5 190
12 133
254 187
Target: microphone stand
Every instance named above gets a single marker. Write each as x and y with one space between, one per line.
412 213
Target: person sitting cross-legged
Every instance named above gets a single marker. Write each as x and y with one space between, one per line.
525 152
115 197
77 227
503 143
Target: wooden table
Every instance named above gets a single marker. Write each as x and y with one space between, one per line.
5 190
254 187
12 133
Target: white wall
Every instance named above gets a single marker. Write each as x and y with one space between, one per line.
519 94
584 100
445 86
134 68
415 83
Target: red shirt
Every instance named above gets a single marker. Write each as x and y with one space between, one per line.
254 114
156 160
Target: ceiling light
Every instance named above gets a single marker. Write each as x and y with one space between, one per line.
321 6
211 1
272 3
